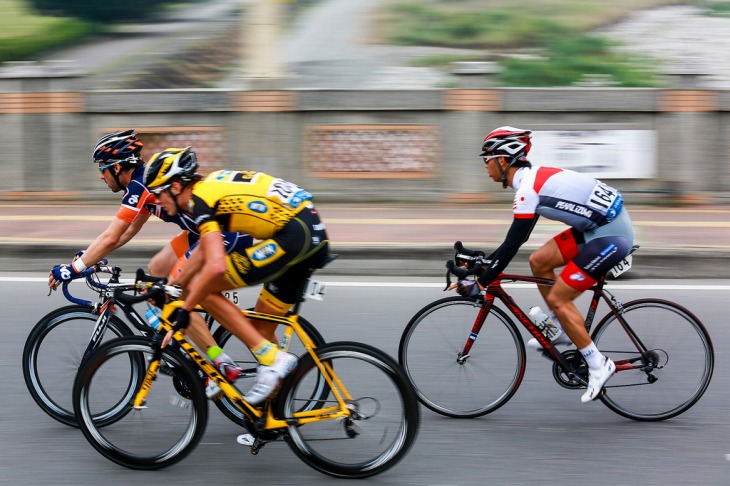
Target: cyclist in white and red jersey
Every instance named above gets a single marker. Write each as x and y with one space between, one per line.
117 155
599 237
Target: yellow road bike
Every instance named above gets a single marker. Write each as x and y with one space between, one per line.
347 410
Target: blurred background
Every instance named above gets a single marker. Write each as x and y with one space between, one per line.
384 100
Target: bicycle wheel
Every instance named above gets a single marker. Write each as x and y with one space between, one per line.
169 425
462 386
385 416
243 357
672 376
52 355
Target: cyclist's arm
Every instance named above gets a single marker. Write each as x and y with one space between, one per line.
118 233
210 263
517 235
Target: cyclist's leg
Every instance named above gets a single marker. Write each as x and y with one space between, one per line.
170 261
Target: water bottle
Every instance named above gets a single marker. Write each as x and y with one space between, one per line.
544 323
153 316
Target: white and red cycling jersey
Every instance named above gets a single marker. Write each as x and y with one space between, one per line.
576 199
590 246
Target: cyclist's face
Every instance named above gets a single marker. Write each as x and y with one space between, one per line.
108 178
167 202
492 169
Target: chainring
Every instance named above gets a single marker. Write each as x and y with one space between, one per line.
577 363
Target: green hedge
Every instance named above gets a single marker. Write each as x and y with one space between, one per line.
110 11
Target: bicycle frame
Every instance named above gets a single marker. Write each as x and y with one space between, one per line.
495 291
252 413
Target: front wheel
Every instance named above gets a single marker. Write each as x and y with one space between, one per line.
165 429
53 353
384 420
671 376
445 379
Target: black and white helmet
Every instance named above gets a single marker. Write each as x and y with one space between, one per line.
122 147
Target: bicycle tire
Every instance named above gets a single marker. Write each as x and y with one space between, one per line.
49 384
683 353
354 447
245 359
141 440
430 348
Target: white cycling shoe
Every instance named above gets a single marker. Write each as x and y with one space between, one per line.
269 377
597 378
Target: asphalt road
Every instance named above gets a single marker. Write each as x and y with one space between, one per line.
544 434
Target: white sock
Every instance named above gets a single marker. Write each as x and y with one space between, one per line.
592 355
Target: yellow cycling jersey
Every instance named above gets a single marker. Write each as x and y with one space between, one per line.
246 202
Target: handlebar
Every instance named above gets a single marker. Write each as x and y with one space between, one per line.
91 282
466 263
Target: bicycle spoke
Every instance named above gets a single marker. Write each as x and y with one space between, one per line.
383 413
671 375
461 386
168 425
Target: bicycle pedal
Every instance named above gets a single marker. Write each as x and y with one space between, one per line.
245 439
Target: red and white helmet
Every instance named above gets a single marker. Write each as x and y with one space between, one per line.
513 143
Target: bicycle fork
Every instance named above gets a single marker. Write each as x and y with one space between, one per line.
475 329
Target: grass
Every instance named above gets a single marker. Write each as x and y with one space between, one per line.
24 33
555 32
718 9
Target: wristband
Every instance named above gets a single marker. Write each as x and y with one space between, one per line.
78 265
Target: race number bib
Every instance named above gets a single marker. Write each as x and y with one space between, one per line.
606 200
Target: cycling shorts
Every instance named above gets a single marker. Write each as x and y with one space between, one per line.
283 262
590 255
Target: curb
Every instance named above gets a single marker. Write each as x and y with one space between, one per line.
648 262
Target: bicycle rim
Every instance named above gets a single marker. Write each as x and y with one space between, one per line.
681 351
379 433
52 356
430 353
243 357
161 433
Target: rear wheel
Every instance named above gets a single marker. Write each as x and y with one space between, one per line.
384 420
671 376
162 432
52 356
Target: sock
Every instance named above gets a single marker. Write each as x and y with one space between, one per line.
213 352
592 355
265 352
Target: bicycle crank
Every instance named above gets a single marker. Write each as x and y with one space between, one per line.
574 378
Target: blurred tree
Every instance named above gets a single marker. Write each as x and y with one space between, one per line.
102 11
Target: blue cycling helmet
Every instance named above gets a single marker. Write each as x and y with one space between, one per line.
122 146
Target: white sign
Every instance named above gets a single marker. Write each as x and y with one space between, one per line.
603 154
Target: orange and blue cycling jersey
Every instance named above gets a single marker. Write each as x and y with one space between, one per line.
138 200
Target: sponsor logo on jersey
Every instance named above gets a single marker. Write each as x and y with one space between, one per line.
318 227
264 252
578 277
223 174
258 207
574 208
133 199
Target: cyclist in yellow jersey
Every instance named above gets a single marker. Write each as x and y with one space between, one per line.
275 211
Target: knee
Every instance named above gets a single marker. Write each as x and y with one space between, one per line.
538 264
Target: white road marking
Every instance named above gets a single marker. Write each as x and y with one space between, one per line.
424 285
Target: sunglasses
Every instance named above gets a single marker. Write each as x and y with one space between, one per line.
102 168
487 158
158 190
